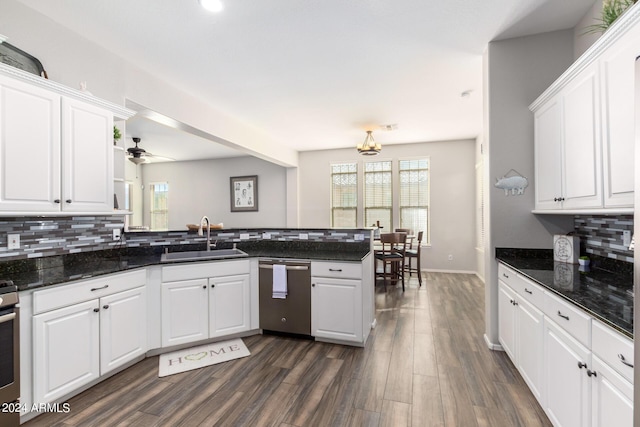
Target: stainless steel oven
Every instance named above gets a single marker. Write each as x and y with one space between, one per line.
9 355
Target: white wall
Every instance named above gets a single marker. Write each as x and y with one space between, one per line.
201 187
69 59
518 71
581 39
452 196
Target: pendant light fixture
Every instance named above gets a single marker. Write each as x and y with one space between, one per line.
369 147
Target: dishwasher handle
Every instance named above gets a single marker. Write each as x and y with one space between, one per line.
289 267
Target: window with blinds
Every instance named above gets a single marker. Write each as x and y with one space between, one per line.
414 196
344 195
159 193
378 195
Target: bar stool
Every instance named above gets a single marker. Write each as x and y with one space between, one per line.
392 256
411 254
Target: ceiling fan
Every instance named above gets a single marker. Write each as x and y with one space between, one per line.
139 155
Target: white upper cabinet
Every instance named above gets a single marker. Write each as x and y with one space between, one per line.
582 186
548 155
56 147
87 157
617 71
588 114
29 154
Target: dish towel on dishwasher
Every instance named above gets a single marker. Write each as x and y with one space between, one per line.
279 281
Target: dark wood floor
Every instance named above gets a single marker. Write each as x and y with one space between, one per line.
426 364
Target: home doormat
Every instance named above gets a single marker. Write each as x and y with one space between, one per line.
201 356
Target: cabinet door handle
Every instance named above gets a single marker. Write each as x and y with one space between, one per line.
95 310
582 365
213 286
313 285
56 201
592 373
101 287
624 361
204 287
562 315
528 291
105 306
68 201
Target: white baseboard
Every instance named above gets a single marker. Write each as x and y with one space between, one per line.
448 271
492 346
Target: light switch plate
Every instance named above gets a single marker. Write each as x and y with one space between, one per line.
626 238
13 241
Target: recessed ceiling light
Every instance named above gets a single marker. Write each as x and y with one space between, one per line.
212 5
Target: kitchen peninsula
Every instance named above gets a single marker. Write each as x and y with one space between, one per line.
110 308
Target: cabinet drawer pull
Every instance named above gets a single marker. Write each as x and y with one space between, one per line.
337 270
101 287
528 291
582 365
505 275
592 373
624 361
95 310
562 315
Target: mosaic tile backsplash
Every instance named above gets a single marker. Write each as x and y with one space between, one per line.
602 235
43 237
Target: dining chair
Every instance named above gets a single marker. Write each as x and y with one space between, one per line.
411 254
409 234
391 254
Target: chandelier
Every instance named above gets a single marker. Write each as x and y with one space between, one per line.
369 147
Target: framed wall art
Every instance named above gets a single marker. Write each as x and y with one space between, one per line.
244 193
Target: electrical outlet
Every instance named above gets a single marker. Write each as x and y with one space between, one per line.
303 236
266 236
626 238
244 236
13 241
116 233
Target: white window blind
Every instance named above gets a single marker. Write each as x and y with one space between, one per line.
344 195
378 194
159 192
414 196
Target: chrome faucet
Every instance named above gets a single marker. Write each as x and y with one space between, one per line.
202 220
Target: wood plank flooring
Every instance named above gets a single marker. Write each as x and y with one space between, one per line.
426 364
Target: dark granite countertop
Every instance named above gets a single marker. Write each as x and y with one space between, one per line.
604 292
33 273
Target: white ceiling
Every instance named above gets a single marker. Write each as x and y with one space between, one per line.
317 74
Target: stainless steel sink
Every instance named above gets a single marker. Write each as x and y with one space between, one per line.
202 255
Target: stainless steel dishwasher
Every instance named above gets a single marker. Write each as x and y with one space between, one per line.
293 313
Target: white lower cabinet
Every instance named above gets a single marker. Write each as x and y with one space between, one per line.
521 335
229 305
579 369
568 387
75 343
336 301
611 397
66 350
185 312
123 328
201 301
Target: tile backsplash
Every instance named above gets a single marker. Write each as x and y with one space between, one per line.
49 236
602 235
